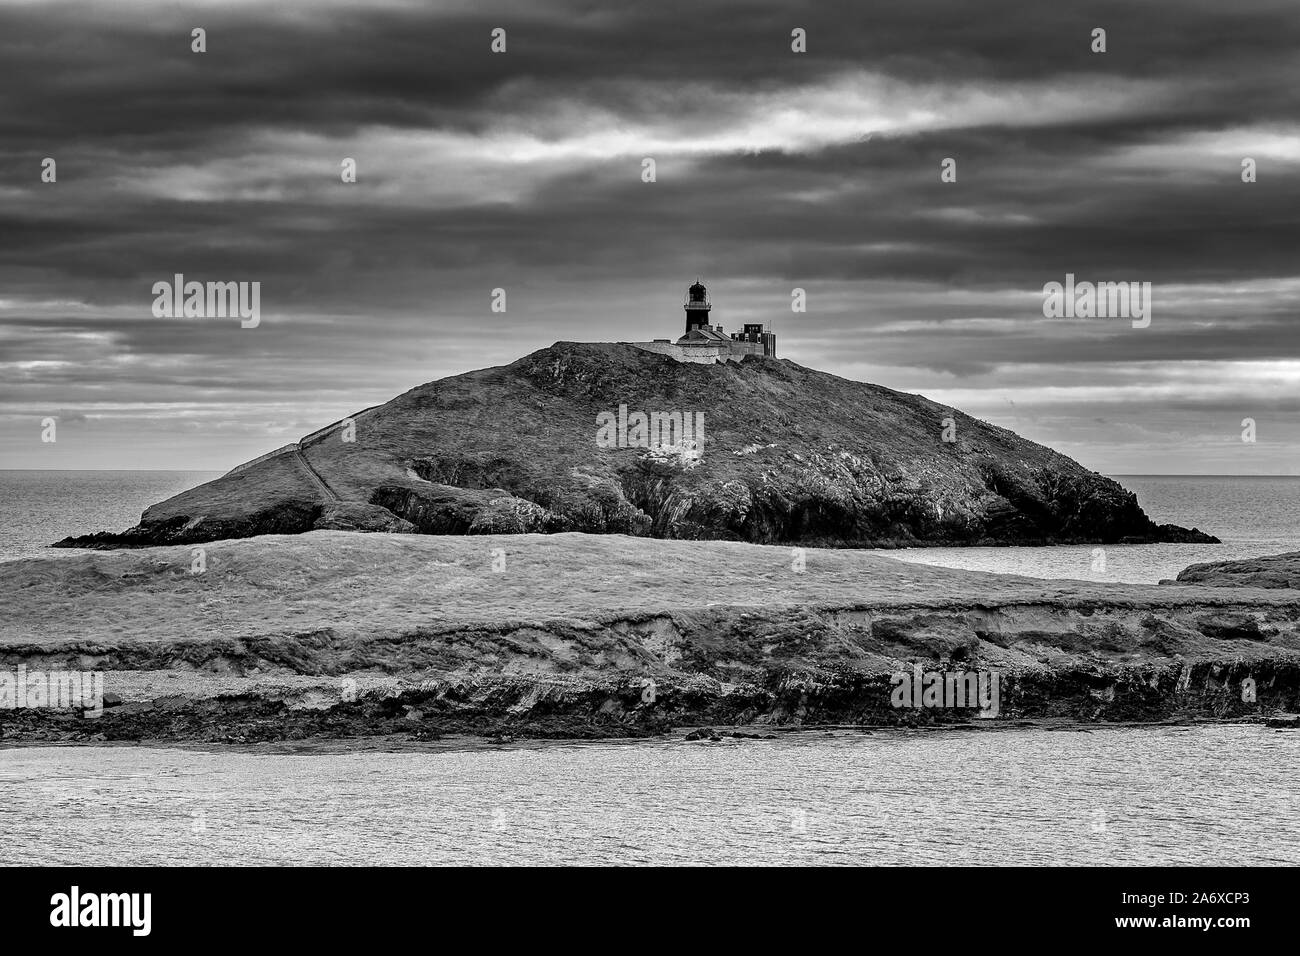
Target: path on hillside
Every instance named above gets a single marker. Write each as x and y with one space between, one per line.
325 489
320 436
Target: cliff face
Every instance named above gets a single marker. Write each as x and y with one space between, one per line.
787 454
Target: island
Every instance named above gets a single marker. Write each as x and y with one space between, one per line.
591 437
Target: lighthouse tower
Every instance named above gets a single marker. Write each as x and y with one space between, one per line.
697 306
707 344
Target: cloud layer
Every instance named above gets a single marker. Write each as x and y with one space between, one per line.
775 170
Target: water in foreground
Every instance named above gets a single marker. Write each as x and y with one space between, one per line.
1214 794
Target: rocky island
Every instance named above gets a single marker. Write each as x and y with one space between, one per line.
785 454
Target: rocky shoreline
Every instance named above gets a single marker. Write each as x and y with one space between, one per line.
179 532
335 635
539 709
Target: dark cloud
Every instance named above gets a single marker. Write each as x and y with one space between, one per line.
523 171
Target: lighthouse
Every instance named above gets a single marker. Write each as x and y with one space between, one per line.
707 344
697 306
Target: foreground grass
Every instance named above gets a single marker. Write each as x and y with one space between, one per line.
377 584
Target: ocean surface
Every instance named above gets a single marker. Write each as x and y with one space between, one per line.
1224 794
1253 516
38 508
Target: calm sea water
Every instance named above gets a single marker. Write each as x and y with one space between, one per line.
1253 516
1202 795
38 508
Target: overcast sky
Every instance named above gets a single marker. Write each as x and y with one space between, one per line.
775 170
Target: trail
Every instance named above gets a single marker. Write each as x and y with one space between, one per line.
325 489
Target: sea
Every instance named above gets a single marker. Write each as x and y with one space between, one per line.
1142 795
1216 794
38 507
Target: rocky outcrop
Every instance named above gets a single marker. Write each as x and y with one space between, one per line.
1273 571
787 454
355 516
780 699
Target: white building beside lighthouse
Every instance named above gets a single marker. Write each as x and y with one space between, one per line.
705 343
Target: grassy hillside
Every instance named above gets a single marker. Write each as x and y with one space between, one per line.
789 454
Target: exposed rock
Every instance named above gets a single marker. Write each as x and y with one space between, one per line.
705 733
1172 534
354 516
1273 571
788 455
